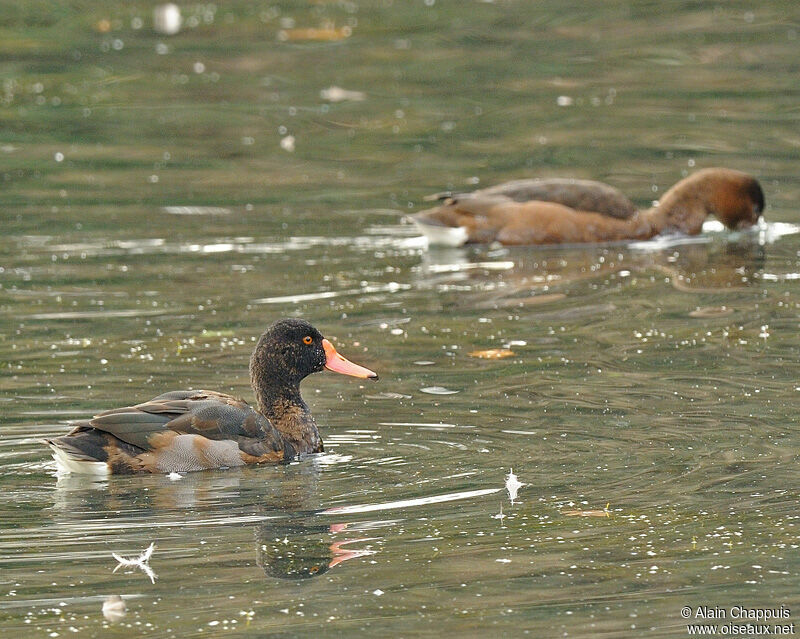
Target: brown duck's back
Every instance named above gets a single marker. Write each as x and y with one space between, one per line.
581 195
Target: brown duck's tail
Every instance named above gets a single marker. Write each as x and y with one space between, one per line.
464 218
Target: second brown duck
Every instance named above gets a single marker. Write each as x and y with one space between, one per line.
563 211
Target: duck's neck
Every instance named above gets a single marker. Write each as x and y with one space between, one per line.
682 209
286 410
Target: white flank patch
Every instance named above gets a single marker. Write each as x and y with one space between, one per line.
442 235
65 464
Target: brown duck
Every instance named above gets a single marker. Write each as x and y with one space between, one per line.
562 211
197 430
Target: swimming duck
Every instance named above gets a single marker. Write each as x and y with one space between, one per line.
559 211
190 430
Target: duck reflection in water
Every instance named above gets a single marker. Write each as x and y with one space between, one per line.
293 536
521 277
299 546
295 550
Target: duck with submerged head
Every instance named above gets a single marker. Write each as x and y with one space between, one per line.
562 211
197 430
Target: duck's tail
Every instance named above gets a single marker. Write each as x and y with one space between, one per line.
80 453
438 234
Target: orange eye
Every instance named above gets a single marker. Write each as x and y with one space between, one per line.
307 339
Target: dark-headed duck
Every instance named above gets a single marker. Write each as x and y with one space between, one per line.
559 211
197 430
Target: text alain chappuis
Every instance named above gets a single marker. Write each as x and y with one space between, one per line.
739 620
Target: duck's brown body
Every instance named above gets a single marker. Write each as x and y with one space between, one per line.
581 211
184 431
179 431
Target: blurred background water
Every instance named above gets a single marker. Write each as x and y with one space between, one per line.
165 197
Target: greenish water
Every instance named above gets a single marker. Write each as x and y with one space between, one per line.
154 225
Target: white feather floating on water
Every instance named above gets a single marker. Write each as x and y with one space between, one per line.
512 485
140 562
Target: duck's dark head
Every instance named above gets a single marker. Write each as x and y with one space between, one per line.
733 197
292 349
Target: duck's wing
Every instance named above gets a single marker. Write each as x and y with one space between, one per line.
215 416
581 195
181 430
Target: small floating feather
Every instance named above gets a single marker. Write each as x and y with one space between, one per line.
140 562
512 485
